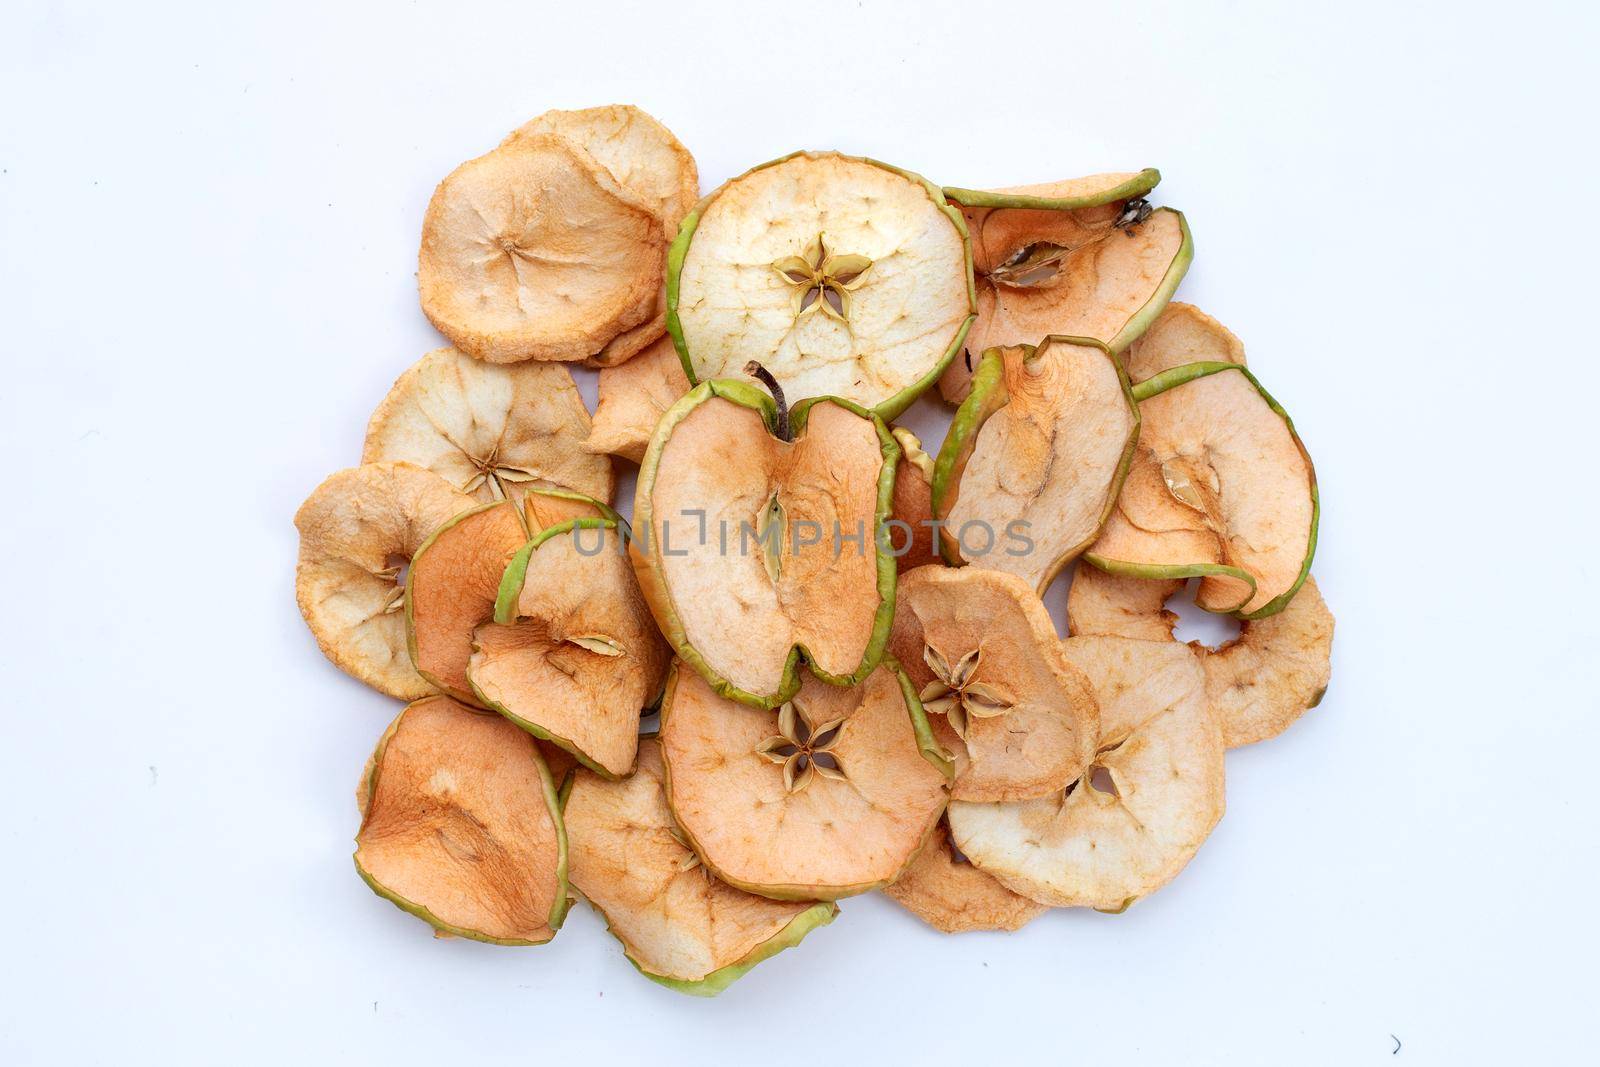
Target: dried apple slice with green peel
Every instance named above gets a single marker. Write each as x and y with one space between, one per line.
534 251
1072 194
452 587
633 397
559 760
1180 335
832 794
842 276
1258 684
1104 604
1035 457
572 654
910 528
1139 813
1221 488
1276 670
951 895
358 530
1109 288
678 923
461 827
735 516
1086 257
489 430
454 579
998 692
368 770
544 506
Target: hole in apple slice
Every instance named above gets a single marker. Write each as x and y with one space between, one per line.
1197 624
1100 781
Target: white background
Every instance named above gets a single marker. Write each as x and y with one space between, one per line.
208 231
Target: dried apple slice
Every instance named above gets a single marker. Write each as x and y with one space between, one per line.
631 342
489 430
572 653
454 580
1071 194
679 924
1108 287
1181 334
1035 457
842 276
1220 488
1106 605
534 251
756 538
358 531
559 760
364 783
546 506
637 151
1276 670
999 693
951 895
451 590
461 826
645 158
1086 257
1258 684
633 397
910 528
831 795
1140 812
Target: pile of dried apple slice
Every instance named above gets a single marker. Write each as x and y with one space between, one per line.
856 684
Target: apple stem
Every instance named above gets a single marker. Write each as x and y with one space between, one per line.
764 376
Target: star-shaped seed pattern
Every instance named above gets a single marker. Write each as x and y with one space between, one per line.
822 280
954 694
497 475
803 753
